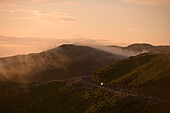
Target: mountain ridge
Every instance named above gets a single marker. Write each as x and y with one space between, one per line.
140 47
62 62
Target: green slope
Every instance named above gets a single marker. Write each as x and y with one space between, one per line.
71 97
147 74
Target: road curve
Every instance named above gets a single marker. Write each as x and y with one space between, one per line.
120 91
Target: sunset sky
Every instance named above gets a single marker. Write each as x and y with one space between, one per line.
120 22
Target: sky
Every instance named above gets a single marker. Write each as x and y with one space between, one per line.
118 22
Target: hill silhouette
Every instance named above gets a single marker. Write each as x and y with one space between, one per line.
145 48
145 75
62 62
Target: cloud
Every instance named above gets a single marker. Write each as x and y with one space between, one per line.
30 1
42 15
13 45
148 2
38 1
9 3
22 3
19 3
67 3
165 34
1 10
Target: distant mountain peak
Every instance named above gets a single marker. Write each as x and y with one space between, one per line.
67 45
141 44
59 63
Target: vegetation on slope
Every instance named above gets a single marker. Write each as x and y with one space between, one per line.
147 74
63 62
74 97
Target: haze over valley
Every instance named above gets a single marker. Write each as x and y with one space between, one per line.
84 56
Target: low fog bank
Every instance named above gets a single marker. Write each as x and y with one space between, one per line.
61 62
119 50
10 46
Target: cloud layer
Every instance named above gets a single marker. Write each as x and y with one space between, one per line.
22 3
13 46
149 2
68 3
41 15
38 1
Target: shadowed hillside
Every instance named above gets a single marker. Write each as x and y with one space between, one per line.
62 62
146 74
72 96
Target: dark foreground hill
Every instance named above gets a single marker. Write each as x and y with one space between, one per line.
145 48
59 63
72 96
146 74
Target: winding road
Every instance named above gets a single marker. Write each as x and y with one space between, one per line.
120 91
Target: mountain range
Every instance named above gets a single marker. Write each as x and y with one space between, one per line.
143 47
52 81
63 62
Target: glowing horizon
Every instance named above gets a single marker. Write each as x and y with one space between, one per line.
120 22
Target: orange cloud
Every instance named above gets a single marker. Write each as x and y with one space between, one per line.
9 3
67 3
148 2
165 34
14 46
37 1
43 15
16 3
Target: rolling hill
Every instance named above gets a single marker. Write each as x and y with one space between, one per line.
146 74
62 62
145 48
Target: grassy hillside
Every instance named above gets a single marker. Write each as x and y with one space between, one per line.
71 96
62 62
148 74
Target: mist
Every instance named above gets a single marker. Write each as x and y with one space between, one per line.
27 65
58 63
119 50
10 46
